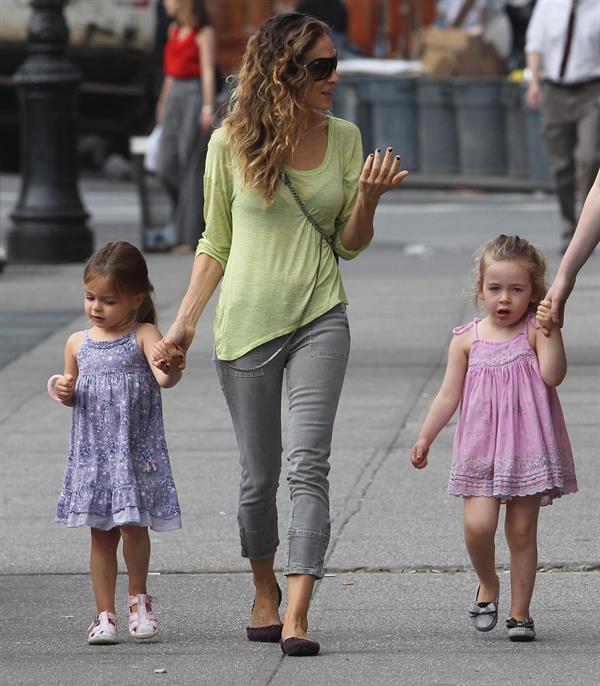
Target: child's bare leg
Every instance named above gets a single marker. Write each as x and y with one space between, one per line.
103 567
521 536
136 551
480 523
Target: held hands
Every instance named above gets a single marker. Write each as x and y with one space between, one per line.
64 388
545 317
168 357
557 297
170 351
419 453
380 174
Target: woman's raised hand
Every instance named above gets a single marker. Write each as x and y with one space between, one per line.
380 174
172 347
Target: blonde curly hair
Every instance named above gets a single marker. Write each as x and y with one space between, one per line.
513 249
262 120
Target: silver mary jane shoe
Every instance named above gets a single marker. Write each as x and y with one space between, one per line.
484 616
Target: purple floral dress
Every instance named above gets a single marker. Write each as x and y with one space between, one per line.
118 469
511 438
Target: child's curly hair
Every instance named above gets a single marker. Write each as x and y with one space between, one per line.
514 249
262 121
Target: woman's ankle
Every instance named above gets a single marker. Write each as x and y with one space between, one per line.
266 586
295 626
296 620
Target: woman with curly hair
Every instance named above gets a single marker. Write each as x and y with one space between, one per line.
286 193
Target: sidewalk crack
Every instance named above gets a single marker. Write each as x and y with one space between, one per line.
372 467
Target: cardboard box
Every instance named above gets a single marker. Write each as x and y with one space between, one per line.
449 52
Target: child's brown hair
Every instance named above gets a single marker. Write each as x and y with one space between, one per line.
125 268
514 249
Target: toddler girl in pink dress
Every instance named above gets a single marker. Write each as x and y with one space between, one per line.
511 443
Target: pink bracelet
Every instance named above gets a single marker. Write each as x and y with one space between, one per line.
51 391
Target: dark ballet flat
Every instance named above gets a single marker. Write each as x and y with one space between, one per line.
299 647
266 634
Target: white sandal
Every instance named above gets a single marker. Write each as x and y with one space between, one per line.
103 630
142 621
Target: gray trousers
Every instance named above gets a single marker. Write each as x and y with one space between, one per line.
314 360
181 159
571 132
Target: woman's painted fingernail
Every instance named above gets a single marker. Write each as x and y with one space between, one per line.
389 150
397 157
378 150
370 154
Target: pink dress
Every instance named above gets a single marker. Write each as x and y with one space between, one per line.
511 438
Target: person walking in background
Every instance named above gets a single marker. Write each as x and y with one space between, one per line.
585 240
511 443
563 57
470 15
186 109
519 15
286 192
118 479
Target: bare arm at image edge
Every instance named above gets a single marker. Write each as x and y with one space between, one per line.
582 245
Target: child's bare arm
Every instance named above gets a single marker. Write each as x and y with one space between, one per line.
445 402
148 336
549 346
65 386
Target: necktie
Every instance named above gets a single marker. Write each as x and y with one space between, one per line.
569 39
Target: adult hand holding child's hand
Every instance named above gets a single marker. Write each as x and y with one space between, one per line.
172 347
545 318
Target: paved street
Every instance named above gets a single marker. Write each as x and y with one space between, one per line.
393 606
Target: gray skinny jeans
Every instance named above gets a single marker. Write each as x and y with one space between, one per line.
315 360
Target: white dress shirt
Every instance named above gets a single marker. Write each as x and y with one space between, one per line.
547 34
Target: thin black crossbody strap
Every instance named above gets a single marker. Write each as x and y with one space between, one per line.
312 221
315 224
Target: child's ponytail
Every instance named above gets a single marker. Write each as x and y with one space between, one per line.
147 312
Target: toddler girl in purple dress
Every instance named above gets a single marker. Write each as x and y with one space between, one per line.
511 443
118 478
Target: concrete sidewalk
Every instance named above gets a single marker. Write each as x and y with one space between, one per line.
393 608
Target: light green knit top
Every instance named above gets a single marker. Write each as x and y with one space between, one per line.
270 254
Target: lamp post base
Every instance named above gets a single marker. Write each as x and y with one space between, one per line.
31 243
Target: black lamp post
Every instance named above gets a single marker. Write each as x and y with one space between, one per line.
49 217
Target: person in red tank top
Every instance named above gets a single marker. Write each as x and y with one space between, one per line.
186 108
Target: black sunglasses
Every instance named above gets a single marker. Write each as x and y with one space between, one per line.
321 68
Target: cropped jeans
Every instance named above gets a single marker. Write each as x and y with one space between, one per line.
314 360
